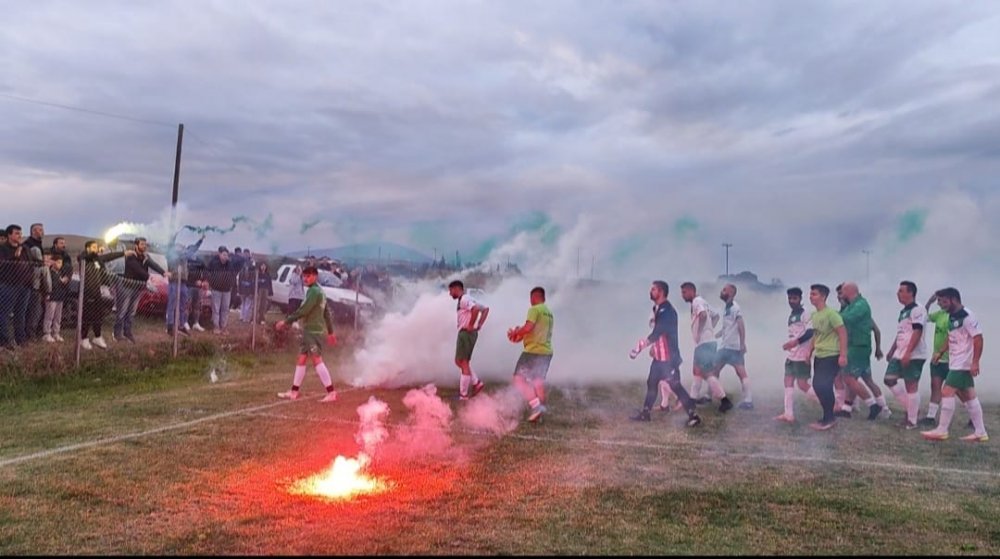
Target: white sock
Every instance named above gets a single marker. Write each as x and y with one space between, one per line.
975 410
899 391
475 379
463 385
870 401
535 403
932 410
716 388
847 407
324 374
696 388
665 393
947 411
300 375
839 395
913 407
789 407
880 400
747 396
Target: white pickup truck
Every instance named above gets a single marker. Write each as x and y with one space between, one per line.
339 300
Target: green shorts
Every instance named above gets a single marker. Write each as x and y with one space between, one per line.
466 343
798 369
725 357
858 367
960 380
912 372
311 343
704 357
939 370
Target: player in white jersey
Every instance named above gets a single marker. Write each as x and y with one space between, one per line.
471 317
798 353
908 353
703 321
965 348
733 343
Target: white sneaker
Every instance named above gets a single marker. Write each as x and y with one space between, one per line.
85 344
48 339
59 338
99 342
330 397
886 412
185 328
290 395
199 327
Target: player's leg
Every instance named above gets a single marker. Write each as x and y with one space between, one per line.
324 377
939 371
789 414
297 377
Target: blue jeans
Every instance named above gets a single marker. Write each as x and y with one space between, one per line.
14 300
194 305
246 308
172 302
126 302
220 308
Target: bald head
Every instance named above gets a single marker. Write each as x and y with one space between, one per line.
850 291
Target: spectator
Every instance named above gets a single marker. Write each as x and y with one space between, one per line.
137 266
95 303
195 283
265 289
36 305
246 287
222 272
296 291
236 300
55 298
16 280
59 247
177 259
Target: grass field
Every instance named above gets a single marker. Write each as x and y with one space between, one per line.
165 462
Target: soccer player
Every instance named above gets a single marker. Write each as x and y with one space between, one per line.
733 345
965 347
471 317
907 353
798 350
315 322
857 317
829 352
703 321
939 366
666 363
533 365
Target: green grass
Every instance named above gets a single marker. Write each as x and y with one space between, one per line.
585 481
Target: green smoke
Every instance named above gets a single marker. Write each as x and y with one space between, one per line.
911 224
308 225
625 249
685 227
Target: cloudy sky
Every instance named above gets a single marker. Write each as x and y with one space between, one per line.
445 126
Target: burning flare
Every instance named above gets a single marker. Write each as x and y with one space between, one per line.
343 480
123 228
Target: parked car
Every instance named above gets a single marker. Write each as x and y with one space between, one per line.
152 301
340 301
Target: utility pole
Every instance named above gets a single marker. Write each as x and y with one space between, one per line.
868 266
728 246
177 180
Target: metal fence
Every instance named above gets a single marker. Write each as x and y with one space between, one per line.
91 296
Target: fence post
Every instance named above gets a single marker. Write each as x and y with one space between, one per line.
177 306
253 319
357 300
81 289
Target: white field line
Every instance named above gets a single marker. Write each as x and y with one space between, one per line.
674 445
141 434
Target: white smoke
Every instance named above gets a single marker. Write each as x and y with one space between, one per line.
372 431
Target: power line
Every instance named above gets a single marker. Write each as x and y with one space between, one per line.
88 111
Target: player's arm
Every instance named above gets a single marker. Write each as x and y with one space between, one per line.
743 333
701 320
878 340
842 337
927 305
484 311
918 331
977 352
892 351
525 329
312 300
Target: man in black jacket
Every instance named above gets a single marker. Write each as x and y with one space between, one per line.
131 286
95 306
36 304
17 271
194 284
221 275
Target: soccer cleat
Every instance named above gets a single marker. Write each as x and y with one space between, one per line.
935 435
886 413
820 426
643 415
905 424
48 339
974 438
927 422
665 409
99 342
725 405
477 388
537 412
842 413
785 418
290 395
693 421
85 344
873 412
746 405
330 397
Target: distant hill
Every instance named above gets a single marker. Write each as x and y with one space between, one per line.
367 252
